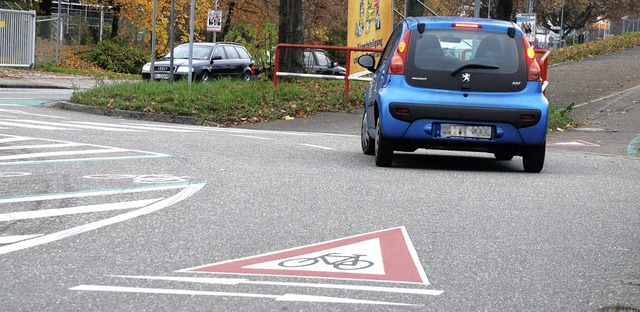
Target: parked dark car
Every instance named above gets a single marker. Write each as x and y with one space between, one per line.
210 60
317 61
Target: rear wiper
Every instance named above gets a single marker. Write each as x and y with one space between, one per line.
467 66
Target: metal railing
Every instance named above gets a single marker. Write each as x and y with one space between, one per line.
346 78
542 57
17 38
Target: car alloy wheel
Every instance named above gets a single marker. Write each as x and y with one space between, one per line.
384 149
205 77
368 146
246 76
533 158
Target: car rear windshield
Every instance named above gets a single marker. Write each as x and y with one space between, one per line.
466 59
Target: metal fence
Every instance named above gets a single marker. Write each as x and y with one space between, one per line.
17 38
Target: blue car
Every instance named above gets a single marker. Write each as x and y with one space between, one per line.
454 83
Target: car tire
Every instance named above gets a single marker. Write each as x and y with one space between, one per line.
246 76
205 76
368 144
533 158
503 156
383 148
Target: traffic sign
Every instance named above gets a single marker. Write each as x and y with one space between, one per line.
386 255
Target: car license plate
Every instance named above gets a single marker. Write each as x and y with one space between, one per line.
465 131
161 76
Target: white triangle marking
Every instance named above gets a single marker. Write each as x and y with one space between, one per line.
336 260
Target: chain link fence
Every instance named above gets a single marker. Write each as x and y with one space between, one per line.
69 29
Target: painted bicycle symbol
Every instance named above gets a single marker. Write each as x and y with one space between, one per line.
338 261
140 178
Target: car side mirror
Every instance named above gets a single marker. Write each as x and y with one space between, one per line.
217 57
334 64
367 61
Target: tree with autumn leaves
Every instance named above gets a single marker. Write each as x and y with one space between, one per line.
325 21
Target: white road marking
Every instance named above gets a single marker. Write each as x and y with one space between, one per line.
252 137
15 238
19 112
20 125
90 193
70 160
148 127
236 281
285 297
65 153
320 147
606 97
185 193
13 174
575 143
74 125
15 139
46 213
35 146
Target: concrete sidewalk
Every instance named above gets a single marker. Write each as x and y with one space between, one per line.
26 78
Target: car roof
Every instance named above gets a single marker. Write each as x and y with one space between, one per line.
447 21
211 44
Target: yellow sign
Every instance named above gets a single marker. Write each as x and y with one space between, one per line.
370 25
3 24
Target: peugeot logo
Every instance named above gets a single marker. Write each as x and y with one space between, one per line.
163 68
466 77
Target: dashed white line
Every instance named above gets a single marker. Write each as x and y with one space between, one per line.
320 147
253 137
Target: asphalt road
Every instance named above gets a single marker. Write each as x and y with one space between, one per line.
105 213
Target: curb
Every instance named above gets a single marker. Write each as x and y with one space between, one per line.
131 114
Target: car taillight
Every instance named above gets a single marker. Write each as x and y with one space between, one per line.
253 69
399 57
533 69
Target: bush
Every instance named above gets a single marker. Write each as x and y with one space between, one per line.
116 57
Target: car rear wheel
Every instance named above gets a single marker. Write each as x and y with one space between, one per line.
368 145
533 158
205 76
246 76
383 148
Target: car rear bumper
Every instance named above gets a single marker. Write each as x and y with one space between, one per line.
415 115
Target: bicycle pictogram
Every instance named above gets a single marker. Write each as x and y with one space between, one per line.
338 261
